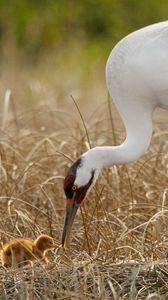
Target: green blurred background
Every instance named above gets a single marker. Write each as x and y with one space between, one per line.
51 49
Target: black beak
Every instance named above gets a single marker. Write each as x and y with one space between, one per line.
71 209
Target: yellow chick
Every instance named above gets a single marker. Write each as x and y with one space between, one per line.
23 251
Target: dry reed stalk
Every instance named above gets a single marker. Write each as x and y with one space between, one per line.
124 219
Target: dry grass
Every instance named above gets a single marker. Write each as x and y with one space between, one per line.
120 235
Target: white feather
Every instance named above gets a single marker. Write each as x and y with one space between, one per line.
137 80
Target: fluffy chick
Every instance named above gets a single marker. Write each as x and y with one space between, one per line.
23 251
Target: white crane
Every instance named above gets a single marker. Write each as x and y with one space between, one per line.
137 80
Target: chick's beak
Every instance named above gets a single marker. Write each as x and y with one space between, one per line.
56 245
71 209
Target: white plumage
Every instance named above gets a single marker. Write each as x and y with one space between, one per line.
137 80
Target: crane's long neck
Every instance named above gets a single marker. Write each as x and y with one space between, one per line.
107 156
139 133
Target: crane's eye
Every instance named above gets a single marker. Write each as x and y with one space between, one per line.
74 187
68 186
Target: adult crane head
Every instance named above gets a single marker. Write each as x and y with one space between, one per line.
80 179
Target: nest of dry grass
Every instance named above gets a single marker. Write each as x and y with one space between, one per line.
85 278
121 229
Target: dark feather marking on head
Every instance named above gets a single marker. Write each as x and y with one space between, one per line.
68 183
81 192
70 178
73 168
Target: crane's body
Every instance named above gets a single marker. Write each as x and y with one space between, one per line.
137 80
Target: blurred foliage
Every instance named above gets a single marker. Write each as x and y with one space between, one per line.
37 26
